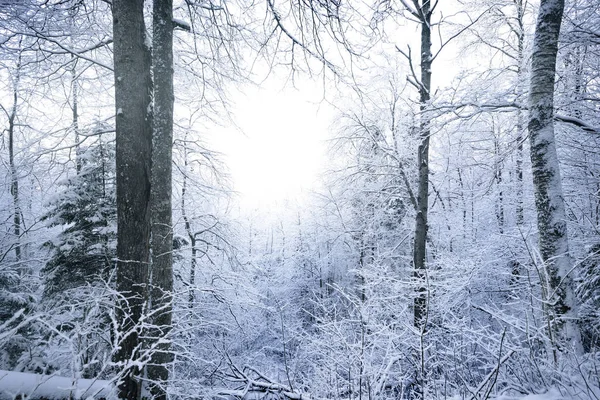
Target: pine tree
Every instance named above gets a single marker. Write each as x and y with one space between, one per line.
82 253
16 300
589 297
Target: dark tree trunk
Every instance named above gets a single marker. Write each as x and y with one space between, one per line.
552 220
133 87
161 193
420 305
421 227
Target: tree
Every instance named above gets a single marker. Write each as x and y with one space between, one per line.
14 178
84 251
38 144
550 206
11 275
422 12
133 104
144 188
161 281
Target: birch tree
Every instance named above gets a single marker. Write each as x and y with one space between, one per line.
14 177
552 219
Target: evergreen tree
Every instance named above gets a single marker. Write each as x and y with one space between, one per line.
16 300
86 209
589 297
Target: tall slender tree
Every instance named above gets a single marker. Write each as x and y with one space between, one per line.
14 177
519 31
161 194
423 13
552 219
133 102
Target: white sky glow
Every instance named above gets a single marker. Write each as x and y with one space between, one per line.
280 150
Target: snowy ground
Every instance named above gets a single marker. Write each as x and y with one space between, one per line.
33 386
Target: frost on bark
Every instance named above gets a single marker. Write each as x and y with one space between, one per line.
14 177
552 221
188 227
498 167
520 31
161 285
133 87
75 113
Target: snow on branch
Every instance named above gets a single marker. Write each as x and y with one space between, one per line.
476 108
80 53
181 24
577 122
253 385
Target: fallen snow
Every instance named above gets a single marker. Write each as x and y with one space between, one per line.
35 386
553 394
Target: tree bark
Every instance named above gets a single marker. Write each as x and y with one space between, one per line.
552 219
421 227
520 31
14 177
75 113
161 194
188 228
420 305
498 178
133 86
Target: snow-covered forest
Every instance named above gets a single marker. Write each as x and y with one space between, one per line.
450 250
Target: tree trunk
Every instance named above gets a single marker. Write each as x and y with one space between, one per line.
421 226
161 194
520 31
420 239
133 86
74 109
188 229
498 179
552 220
14 178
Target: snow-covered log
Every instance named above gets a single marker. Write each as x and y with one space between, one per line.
253 385
22 385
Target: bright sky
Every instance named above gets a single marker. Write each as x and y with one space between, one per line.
280 150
